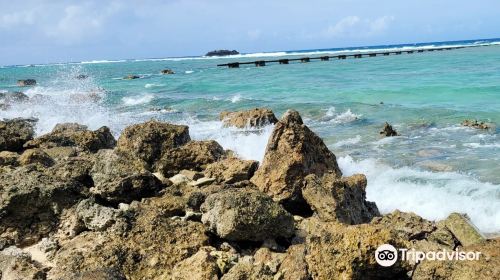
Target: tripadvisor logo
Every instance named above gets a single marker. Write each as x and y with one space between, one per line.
387 255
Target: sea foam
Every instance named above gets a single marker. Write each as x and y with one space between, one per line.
432 195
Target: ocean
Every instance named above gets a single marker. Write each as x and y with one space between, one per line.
434 168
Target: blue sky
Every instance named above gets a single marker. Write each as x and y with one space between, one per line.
37 31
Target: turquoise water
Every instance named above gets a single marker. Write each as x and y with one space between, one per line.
434 168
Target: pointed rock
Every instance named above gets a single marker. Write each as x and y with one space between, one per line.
293 152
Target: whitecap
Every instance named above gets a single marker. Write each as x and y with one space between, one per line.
137 100
101 61
153 85
348 142
189 72
330 112
346 117
479 145
236 98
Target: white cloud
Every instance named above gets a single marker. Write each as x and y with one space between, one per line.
345 25
69 22
254 34
380 24
14 19
354 26
79 22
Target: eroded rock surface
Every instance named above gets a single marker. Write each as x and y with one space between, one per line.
388 131
70 211
339 199
15 133
30 204
293 152
245 214
119 178
477 124
231 170
257 117
195 155
148 141
75 135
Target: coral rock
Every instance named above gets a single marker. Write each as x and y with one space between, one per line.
293 152
245 214
257 117
339 199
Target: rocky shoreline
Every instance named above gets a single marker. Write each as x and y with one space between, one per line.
154 204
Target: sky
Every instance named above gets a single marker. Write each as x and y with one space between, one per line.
37 31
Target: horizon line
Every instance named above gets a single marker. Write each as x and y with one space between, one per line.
263 52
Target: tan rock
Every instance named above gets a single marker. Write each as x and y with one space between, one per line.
339 199
231 170
294 266
203 182
408 226
32 156
75 135
477 125
87 252
61 153
15 133
192 175
293 152
96 217
119 178
195 155
73 169
257 117
148 141
8 158
244 270
15 265
199 266
337 251
178 179
30 203
152 246
463 229
271 260
160 243
245 214
486 267
443 236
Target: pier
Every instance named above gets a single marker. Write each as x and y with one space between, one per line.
262 63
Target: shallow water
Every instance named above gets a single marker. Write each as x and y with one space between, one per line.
434 168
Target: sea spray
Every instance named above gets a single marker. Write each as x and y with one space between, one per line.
247 143
65 98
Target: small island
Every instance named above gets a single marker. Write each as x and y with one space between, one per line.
222 53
